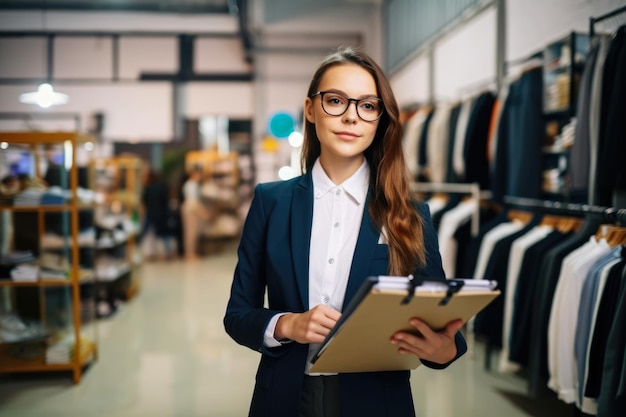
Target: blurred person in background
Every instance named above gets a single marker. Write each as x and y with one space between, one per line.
155 199
193 213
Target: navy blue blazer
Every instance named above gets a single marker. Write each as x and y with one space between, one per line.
274 256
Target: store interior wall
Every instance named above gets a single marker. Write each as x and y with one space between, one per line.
532 24
465 58
287 50
289 46
411 84
135 111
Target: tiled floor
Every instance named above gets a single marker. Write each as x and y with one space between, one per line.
166 354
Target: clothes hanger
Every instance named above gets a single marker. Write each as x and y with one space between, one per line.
550 220
616 236
613 235
519 215
569 224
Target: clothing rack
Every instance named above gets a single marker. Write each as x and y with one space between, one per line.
606 16
605 214
456 188
536 58
594 214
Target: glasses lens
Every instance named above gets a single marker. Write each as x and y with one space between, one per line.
368 109
334 104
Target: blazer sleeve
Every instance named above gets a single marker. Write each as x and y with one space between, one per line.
434 270
246 318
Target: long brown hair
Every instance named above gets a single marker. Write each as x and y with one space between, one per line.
390 206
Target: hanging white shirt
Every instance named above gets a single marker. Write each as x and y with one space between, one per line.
451 221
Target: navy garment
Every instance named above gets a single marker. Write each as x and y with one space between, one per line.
524 302
476 138
548 279
489 322
463 237
452 122
452 202
611 171
604 322
612 399
422 155
580 152
470 255
518 159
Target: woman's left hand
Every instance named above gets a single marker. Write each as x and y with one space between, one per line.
436 346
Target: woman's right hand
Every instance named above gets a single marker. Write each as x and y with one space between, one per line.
310 327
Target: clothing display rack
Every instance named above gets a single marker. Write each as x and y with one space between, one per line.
595 215
606 214
456 188
535 59
617 13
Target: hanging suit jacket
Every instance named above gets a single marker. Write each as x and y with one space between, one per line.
274 254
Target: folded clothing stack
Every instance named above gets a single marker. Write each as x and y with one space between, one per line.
63 351
14 330
25 273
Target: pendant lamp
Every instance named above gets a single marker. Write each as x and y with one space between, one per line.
45 96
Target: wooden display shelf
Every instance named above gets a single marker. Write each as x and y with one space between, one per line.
30 138
11 364
86 277
132 291
48 208
35 143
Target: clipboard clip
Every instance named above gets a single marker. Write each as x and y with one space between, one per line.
413 283
454 286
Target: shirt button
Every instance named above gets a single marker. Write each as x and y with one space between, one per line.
336 224
338 192
331 261
325 300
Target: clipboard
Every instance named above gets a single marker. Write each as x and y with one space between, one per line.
359 342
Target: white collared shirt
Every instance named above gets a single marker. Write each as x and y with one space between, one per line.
337 214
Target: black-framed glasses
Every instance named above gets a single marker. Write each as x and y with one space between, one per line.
369 109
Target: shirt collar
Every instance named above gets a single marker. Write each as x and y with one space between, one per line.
356 186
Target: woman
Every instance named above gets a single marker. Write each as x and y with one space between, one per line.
193 213
310 242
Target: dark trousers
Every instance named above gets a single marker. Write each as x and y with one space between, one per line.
320 397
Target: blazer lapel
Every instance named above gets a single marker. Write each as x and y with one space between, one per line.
301 223
363 254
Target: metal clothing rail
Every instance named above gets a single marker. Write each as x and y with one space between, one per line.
609 15
456 188
606 214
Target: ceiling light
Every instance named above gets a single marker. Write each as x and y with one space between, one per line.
295 139
45 96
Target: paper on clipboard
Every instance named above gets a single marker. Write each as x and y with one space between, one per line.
360 340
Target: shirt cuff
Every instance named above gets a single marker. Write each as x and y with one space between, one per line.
268 338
